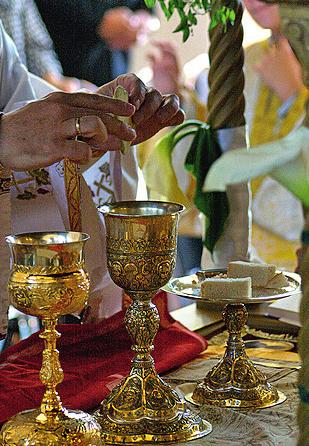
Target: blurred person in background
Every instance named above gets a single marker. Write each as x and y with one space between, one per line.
24 25
167 76
92 38
275 105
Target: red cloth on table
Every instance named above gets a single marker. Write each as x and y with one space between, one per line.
94 358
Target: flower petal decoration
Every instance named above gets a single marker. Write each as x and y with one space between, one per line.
158 170
286 160
161 178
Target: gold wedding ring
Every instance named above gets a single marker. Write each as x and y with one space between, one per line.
77 126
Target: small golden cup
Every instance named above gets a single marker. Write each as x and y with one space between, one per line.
48 280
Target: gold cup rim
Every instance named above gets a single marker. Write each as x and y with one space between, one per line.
41 238
116 209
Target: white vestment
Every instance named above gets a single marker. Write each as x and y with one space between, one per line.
47 210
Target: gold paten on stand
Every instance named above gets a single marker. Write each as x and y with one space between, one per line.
47 281
141 252
235 381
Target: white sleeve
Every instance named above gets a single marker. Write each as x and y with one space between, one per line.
17 84
40 87
18 87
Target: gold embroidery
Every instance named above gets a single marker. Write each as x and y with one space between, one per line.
5 179
37 183
72 188
5 184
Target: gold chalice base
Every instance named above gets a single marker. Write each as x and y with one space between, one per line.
193 398
185 427
144 409
71 428
234 381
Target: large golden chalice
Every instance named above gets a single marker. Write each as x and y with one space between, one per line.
141 253
48 280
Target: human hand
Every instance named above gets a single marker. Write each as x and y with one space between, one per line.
44 131
72 84
280 69
147 24
63 83
119 28
165 67
68 84
153 111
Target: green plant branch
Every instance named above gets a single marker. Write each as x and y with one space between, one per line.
188 10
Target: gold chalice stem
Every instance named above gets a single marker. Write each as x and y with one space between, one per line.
142 322
235 344
51 374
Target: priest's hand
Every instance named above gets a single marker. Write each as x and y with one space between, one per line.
45 131
153 111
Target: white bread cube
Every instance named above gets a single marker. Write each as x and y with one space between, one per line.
260 273
278 281
219 288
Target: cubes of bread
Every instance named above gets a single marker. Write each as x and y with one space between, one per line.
260 273
220 288
278 281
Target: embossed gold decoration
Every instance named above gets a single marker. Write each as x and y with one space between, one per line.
48 280
235 381
141 251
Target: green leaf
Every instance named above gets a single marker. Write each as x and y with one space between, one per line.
286 160
182 25
232 15
184 134
150 3
292 175
213 22
188 11
185 34
191 18
165 9
203 152
179 4
171 7
206 5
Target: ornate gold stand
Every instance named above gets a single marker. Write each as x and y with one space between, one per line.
235 381
141 250
47 281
